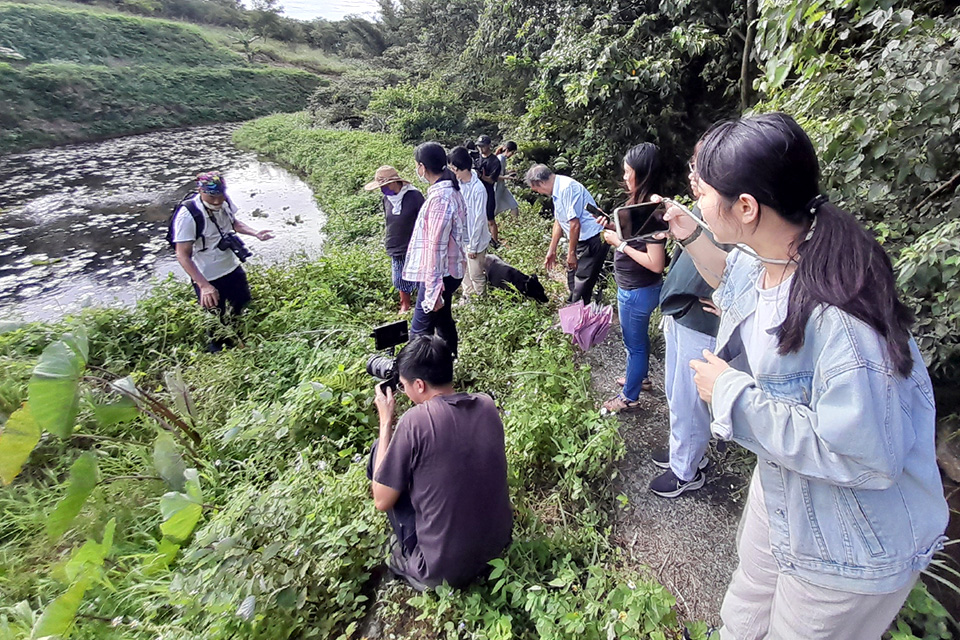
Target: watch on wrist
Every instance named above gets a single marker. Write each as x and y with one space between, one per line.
622 246
693 236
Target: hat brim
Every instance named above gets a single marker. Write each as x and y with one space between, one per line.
376 184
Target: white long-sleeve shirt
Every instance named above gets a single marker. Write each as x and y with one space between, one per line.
478 233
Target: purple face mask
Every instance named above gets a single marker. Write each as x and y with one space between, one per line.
387 191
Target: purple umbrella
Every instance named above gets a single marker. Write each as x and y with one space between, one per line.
588 324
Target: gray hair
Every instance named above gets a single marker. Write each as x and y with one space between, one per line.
537 174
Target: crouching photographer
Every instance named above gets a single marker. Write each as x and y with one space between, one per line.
204 230
440 473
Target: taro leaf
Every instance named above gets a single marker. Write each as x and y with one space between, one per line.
59 616
20 435
109 414
168 462
53 389
182 399
88 559
245 612
84 476
181 511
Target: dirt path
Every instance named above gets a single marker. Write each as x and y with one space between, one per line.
687 543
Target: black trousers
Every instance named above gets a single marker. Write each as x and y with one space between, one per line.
590 256
232 288
439 322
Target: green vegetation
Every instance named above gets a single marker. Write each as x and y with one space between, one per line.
120 74
283 425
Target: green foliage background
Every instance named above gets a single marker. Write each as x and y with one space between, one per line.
89 75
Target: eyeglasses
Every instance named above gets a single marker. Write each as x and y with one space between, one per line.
400 387
692 167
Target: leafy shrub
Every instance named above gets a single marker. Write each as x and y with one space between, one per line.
419 111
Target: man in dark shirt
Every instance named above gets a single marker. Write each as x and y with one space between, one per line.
489 173
441 475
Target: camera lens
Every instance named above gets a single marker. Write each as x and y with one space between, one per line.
380 367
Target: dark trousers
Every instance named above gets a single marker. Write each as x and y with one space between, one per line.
590 256
232 288
439 322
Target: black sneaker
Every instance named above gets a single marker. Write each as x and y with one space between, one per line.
668 485
661 458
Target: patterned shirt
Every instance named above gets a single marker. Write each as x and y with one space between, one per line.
436 247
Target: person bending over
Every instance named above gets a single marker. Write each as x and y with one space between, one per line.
198 227
586 251
441 473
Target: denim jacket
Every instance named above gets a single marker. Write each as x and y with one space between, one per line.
845 446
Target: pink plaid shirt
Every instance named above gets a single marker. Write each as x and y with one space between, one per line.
436 246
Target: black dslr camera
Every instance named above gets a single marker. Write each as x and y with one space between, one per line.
232 242
384 367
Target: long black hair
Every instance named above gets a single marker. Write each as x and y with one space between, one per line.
644 159
432 156
772 159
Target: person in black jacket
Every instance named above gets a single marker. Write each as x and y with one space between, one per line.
401 206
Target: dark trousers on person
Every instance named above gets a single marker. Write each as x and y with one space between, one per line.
232 288
439 322
590 256
403 520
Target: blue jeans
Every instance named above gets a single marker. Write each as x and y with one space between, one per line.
635 307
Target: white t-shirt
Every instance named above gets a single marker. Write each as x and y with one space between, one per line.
478 233
758 330
212 262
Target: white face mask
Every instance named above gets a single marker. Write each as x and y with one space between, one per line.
421 177
213 208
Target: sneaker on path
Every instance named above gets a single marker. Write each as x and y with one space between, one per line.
661 458
668 485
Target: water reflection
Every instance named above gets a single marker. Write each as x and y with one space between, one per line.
85 224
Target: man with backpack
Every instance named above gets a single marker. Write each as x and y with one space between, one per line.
204 231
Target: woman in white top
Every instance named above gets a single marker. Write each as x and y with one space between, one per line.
478 232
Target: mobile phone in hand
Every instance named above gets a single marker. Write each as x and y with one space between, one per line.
594 210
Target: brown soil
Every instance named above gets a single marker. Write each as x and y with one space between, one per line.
687 543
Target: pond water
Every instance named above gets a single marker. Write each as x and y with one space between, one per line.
84 225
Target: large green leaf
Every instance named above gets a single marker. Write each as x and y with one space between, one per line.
20 435
182 399
59 616
88 559
53 390
168 462
108 414
181 511
84 476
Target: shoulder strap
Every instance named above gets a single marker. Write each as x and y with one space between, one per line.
198 220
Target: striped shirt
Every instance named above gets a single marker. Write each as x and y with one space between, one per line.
436 247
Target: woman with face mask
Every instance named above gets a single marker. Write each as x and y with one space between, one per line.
816 372
401 206
435 257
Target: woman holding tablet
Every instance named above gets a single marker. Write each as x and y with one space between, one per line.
816 372
638 269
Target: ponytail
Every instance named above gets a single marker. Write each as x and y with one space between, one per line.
432 156
842 265
839 264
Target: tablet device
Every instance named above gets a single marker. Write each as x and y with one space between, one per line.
641 221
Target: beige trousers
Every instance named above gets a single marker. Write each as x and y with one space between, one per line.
761 603
475 282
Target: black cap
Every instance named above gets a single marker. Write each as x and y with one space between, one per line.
484 141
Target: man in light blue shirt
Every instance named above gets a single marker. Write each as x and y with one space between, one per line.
586 250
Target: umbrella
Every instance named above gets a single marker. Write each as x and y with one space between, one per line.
588 324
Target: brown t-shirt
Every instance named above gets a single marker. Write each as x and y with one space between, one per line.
448 453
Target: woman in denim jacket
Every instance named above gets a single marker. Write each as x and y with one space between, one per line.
816 373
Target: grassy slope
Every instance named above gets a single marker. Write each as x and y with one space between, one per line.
286 420
91 74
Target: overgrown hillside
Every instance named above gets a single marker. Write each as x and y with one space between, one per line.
77 74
